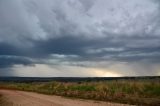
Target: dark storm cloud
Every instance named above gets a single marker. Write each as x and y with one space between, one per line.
9 61
10 55
105 49
97 50
7 49
63 45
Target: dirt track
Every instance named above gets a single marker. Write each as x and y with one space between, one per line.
20 98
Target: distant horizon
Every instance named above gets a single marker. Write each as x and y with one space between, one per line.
74 77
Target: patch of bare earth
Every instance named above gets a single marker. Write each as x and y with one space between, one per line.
21 98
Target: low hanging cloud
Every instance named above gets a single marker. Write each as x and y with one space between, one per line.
8 61
116 36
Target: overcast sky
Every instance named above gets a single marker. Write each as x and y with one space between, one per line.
79 38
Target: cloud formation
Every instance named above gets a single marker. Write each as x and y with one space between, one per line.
106 35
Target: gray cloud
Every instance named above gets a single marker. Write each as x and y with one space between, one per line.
8 61
79 33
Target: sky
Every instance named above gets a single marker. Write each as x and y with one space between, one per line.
79 38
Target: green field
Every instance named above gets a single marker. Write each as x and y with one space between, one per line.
139 92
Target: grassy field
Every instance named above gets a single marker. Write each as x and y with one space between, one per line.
139 92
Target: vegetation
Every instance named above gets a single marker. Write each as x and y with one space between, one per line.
138 92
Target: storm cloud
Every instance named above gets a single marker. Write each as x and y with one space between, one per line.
118 37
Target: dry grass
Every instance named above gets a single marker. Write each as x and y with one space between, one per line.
139 92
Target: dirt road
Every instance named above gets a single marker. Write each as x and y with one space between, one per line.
20 98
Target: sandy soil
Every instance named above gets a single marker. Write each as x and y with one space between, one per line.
20 98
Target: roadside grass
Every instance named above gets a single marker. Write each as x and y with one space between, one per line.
137 92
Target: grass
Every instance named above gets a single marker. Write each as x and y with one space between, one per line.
138 92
